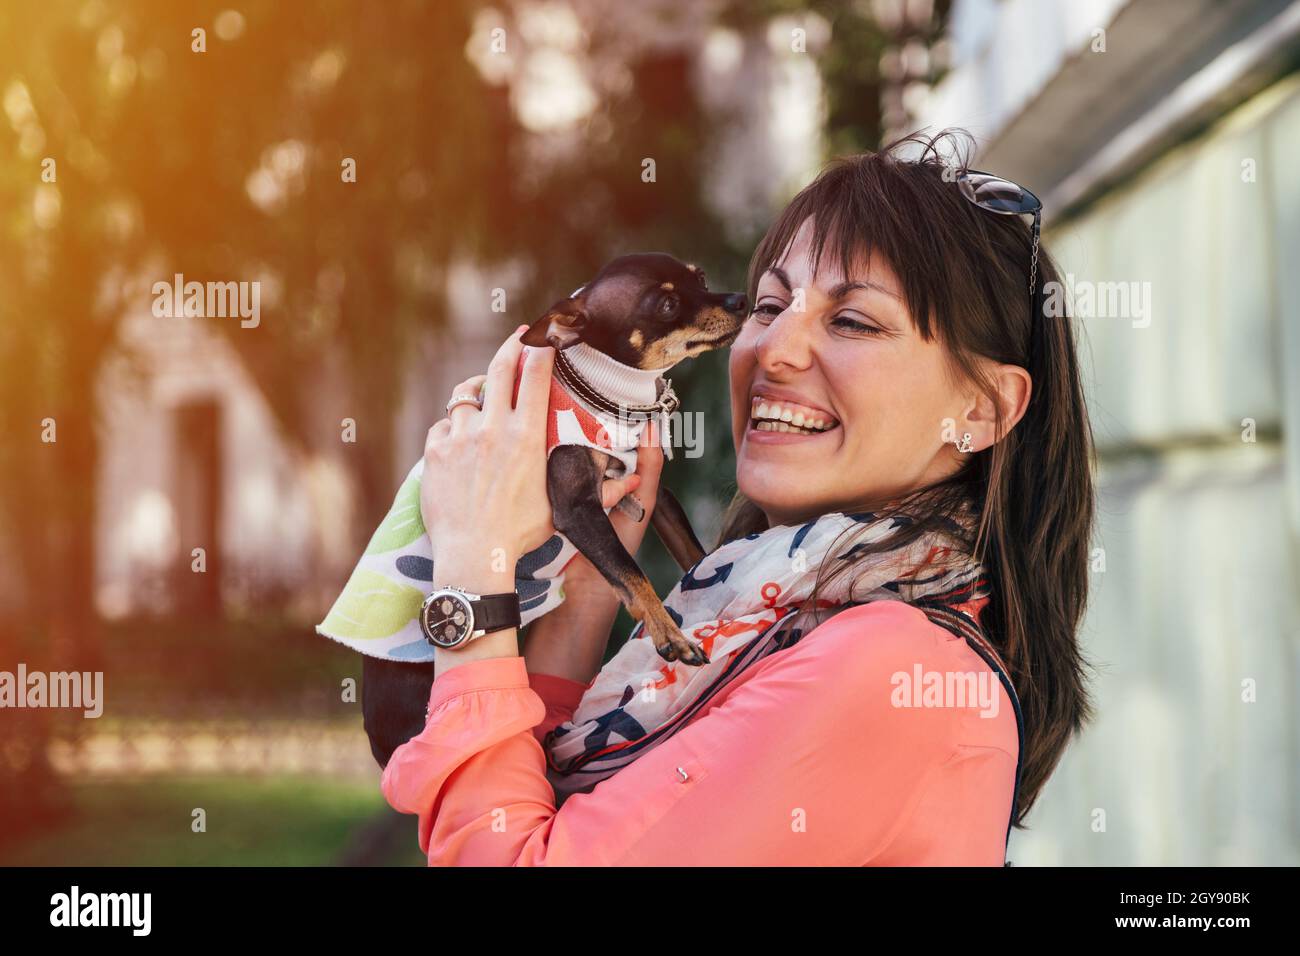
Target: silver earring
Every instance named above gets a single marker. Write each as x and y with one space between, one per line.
964 445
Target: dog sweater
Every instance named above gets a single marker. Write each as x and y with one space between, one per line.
377 612
572 421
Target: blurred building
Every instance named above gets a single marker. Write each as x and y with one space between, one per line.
193 456
206 506
1161 136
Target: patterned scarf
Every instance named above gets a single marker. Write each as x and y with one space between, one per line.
746 600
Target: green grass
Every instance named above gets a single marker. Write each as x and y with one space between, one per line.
276 821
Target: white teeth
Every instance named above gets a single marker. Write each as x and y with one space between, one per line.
775 413
771 426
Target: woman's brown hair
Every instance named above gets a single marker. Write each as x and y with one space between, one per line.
965 274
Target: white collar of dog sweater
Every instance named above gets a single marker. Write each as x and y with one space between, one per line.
618 382
621 384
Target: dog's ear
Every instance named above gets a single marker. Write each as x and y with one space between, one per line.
560 327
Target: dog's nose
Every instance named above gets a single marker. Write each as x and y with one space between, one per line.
736 303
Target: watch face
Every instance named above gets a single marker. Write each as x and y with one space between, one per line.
447 619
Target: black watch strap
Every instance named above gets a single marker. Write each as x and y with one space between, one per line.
496 612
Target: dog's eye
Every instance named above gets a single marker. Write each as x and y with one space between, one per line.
668 305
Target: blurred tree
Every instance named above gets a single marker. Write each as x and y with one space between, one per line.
232 164
848 63
220 163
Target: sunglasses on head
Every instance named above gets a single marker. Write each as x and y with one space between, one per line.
1002 196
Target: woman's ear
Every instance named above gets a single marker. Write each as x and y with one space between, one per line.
1012 386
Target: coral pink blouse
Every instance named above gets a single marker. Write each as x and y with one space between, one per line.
820 754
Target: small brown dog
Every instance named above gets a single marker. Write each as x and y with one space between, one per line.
647 312
640 315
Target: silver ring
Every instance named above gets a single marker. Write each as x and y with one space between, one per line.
464 400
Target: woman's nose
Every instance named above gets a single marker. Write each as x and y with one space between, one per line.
785 341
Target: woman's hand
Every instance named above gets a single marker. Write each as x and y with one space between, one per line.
645 483
491 467
484 498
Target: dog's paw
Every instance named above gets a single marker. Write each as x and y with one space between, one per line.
677 647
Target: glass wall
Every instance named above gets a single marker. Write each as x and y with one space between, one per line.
1187 284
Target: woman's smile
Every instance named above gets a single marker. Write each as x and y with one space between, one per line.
775 420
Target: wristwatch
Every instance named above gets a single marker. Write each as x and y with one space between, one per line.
451 616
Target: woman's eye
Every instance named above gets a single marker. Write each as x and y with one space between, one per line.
769 310
853 325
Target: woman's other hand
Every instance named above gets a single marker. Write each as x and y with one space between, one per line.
644 483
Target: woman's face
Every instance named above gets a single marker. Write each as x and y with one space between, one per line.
845 357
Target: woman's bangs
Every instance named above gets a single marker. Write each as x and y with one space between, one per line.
856 216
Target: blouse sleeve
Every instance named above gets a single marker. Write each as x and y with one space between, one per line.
560 696
808 762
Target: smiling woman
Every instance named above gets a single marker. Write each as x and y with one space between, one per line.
890 339
900 569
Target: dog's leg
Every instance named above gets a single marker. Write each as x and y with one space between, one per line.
573 480
674 529
394 695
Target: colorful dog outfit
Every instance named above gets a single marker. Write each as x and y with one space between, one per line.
596 402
